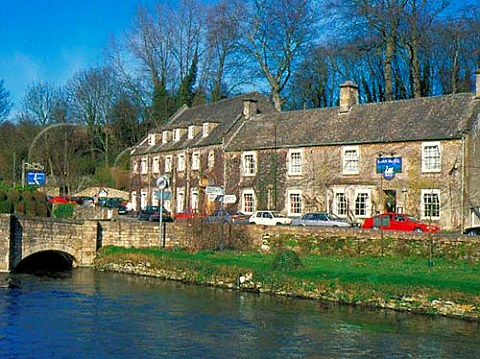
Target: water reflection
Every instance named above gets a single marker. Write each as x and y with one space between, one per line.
98 315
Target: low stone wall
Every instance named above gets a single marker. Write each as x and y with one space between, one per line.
327 241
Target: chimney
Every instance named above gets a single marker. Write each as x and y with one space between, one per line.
348 96
249 108
477 84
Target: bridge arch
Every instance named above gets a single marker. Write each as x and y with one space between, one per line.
51 255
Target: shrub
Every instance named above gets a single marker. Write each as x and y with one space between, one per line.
3 195
15 196
20 208
42 210
286 260
63 210
6 206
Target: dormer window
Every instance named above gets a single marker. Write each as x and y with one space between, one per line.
205 129
151 139
191 132
164 136
176 135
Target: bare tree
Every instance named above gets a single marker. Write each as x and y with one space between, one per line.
273 34
5 104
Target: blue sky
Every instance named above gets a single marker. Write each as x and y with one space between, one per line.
50 40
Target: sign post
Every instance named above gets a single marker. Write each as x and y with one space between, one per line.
162 184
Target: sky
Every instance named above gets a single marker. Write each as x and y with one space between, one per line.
50 40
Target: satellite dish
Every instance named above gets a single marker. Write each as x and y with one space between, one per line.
162 182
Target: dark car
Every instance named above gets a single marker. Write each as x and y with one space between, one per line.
151 213
473 231
123 210
227 216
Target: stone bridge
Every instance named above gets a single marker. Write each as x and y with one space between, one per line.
21 237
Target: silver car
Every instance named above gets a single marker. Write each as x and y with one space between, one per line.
320 219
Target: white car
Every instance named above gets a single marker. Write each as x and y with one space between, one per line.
320 219
269 218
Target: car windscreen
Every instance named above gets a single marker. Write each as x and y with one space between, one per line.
277 214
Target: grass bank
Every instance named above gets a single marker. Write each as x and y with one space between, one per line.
450 288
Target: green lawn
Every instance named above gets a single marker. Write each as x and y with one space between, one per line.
375 273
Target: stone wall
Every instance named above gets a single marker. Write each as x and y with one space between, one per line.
4 241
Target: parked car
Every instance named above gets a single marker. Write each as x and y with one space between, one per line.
152 213
269 218
472 231
320 219
227 216
123 210
188 214
399 222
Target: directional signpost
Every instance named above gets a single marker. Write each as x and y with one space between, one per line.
162 184
36 178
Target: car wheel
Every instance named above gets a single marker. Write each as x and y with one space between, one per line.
471 233
418 230
150 219
278 224
251 222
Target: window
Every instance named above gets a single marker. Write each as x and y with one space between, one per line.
135 166
430 203
143 198
168 164
181 162
191 132
176 135
205 128
248 201
350 160
156 165
155 200
294 203
249 167
195 160
194 201
151 139
361 204
144 165
340 206
431 157
180 200
295 162
211 159
133 200
164 136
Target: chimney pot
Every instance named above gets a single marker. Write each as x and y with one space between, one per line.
348 96
249 108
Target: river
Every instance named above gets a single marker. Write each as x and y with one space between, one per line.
87 314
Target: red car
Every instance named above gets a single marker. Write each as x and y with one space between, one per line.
398 222
188 214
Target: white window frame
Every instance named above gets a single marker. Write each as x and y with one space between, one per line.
196 160
211 159
290 210
335 205
368 203
144 165
143 198
426 164
194 200
181 162
135 166
295 163
249 170
151 139
191 132
180 200
168 163
156 165
165 137
431 192
248 192
133 200
205 128
155 201
176 135
346 170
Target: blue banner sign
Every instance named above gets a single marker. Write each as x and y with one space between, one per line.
36 178
389 166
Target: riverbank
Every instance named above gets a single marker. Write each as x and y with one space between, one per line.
447 288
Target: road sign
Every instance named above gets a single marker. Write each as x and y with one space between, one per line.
167 195
229 199
214 190
162 182
36 178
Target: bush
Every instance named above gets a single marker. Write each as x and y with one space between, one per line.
63 210
15 196
42 210
20 208
3 195
6 206
286 260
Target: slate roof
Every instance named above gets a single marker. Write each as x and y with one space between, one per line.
227 114
425 119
